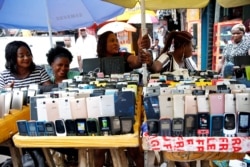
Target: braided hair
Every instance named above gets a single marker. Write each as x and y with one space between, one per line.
180 38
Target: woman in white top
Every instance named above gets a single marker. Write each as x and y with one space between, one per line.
176 53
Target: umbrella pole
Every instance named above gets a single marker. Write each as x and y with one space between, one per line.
143 22
49 25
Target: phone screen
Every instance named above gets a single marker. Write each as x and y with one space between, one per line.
229 121
217 123
243 122
60 126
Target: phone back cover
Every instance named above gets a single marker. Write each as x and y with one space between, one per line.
230 103
78 108
166 106
125 104
217 103
151 106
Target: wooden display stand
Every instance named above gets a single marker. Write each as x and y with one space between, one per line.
9 128
86 144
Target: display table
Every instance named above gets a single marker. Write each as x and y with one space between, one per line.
9 128
198 148
86 144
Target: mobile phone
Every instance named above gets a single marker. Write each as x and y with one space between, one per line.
40 128
177 126
165 127
50 128
81 127
32 128
22 127
216 125
190 125
127 125
60 127
115 125
153 127
229 128
92 127
243 124
105 125
203 124
70 127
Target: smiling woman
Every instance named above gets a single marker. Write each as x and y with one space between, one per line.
21 71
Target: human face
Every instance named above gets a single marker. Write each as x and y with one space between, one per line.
83 33
188 50
60 67
237 36
67 41
112 45
24 57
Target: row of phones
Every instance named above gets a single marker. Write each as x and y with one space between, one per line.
76 127
202 124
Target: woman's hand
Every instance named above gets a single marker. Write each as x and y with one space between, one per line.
145 57
143 42
9 85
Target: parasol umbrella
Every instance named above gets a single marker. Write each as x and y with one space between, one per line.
136 19
55 15
116 27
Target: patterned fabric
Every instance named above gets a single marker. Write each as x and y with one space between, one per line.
240 49
38 76
169 64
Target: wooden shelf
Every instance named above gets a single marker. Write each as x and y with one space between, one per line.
8 122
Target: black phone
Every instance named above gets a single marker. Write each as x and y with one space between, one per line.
60 127
153 127
203 124
190 125
216 125
70 127
92 127
243 124
105 125
81 127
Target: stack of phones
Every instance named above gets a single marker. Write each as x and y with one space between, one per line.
77 127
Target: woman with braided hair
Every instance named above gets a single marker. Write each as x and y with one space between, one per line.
176 53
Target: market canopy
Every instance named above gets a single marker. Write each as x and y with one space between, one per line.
233 3
177 4
162 4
